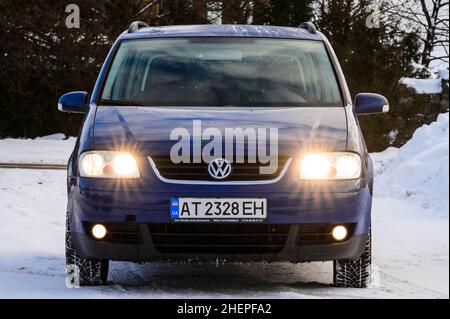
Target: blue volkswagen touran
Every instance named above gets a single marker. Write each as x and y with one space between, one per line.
220 142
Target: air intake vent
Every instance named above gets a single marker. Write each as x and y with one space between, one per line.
219 239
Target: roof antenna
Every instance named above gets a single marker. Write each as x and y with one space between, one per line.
309 26
136 25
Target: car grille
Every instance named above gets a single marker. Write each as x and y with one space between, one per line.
193 171
218 239
319 234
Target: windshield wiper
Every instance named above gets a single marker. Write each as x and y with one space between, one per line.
120 102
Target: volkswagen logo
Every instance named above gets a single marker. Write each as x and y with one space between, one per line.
219 168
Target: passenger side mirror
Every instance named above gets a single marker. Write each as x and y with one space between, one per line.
370 103
74 102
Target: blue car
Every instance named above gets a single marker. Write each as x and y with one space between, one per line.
220 142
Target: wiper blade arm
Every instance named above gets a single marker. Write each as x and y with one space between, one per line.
120 102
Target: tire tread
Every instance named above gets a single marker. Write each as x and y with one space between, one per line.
92 272
354 273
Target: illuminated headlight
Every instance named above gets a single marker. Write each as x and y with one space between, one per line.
108 164
333 165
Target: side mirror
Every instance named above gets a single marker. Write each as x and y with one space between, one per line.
370 103
74 102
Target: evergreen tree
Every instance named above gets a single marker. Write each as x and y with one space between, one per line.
40 58
289 12
374 59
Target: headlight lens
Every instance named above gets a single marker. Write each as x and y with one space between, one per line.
329 166
108 164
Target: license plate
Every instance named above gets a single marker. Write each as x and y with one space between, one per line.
186 209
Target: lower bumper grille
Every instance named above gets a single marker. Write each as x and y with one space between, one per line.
219 239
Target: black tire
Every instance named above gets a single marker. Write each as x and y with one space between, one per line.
91 272
354 273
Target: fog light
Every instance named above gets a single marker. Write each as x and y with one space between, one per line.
99 231
339 232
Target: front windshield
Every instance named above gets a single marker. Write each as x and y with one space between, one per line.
221 72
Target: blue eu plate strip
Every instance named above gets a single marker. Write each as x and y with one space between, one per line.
174 208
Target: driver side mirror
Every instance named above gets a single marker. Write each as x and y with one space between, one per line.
74 102
370 103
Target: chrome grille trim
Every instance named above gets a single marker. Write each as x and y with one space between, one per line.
208 182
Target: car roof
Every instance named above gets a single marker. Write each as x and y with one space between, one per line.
222 30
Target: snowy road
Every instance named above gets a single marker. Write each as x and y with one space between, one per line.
410 232
411 256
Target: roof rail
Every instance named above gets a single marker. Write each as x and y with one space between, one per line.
136 25
309 26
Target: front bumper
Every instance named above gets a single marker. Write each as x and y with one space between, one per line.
146 202
147 251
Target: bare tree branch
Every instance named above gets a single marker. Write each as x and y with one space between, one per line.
146 7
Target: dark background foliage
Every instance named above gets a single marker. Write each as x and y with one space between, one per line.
40 59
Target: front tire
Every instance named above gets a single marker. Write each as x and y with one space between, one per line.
354 273
80 270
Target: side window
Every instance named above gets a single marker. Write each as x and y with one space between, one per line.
126 78
113 81
302 74
146 74
120 87
310 78
136 75
128 82
328 86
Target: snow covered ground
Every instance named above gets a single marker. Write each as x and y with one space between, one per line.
410 217
52 149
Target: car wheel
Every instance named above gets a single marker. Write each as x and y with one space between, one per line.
80 270
354 273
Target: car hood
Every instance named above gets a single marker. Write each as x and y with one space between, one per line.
148 129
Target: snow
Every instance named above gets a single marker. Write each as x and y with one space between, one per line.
431 85
52 149
443 73
440 51
424 86
410 232
419 171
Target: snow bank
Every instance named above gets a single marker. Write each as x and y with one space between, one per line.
419 170
424 86
432 85
443 73
51 149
